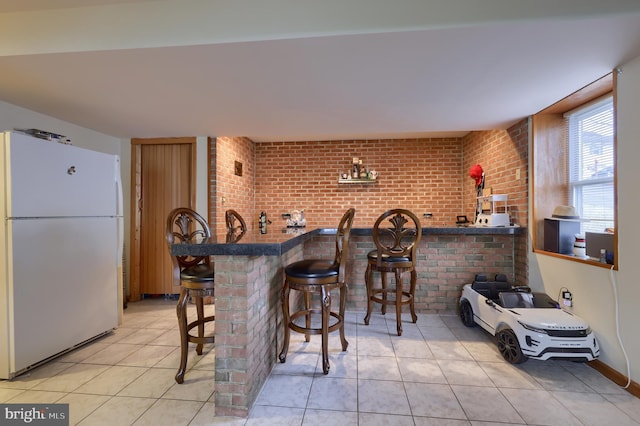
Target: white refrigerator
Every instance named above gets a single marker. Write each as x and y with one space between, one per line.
61 249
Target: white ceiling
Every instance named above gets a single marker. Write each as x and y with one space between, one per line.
305 70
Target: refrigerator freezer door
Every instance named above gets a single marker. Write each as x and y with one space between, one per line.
64 291
46 179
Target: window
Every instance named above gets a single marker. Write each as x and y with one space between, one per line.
573 163
591 163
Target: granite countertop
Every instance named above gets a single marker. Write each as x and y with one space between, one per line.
278 241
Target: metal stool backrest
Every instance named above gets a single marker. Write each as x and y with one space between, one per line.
342 243
234 231
186 226
400 240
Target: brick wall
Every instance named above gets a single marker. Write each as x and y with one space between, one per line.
213 183
501 153
237 191
422 175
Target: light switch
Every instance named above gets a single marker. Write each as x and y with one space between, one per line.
517 174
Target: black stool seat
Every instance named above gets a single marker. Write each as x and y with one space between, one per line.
312 268
197 273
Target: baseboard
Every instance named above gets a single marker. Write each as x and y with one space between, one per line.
615 376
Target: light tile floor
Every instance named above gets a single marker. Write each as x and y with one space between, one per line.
437 373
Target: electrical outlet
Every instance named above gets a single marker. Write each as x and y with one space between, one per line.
566 295
427 215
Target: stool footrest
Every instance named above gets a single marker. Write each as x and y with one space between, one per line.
300 329
406 299
196 339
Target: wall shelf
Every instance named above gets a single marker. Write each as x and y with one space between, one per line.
357 180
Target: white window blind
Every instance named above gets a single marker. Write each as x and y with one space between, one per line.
592 163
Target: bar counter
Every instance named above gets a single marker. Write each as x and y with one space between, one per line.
249 277
275 243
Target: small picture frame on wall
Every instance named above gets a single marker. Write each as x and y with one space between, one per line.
237 167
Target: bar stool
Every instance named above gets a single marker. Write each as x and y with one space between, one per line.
315 276
196 279
395 253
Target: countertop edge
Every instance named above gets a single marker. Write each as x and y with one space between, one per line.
277 249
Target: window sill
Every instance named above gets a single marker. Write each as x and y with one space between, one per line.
571 258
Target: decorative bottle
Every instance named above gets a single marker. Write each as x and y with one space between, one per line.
262 221
355 170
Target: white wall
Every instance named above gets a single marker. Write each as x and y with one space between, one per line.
14 117
593 288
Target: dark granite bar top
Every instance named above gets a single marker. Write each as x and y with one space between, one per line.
278 241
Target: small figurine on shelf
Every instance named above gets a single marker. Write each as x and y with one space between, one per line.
363 172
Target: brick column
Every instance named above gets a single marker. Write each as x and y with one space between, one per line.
248 327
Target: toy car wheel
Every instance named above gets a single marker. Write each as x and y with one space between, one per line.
466 314
509 347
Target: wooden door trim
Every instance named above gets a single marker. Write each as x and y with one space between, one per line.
136 194
163 141
134 238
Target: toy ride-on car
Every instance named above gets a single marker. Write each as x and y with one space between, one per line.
525 324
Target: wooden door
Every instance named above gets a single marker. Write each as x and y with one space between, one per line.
164 178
